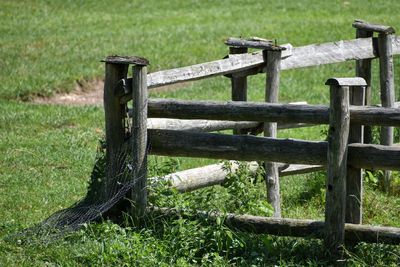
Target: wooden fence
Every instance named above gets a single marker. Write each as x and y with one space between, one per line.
188 123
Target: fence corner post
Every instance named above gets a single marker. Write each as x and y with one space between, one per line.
339 124
139 139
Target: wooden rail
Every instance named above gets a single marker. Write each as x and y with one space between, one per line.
292 58
290 227
259 111
249 148
214 174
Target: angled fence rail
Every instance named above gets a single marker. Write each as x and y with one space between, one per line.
292 58
186 130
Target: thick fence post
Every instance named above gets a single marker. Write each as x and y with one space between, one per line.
238 83
363 70
339 123
139 140
386 74
387 92
272 56
114 111
354 181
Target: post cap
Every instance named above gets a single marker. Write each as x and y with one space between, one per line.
253 42
126 60
363 25
356 81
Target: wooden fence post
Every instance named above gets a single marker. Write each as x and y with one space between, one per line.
114 111
386 73
239 84
139 140
387 92
272 56
363 70
339 123
354 181
115 115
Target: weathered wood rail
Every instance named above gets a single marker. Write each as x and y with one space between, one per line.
271 112
185 132
248 148
292 58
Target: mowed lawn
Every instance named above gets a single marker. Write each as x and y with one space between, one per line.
47 152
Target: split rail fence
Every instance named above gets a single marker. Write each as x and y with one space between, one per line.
180 128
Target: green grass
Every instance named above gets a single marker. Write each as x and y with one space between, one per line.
47 151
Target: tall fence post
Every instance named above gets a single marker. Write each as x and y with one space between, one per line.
386 74
387 92
339 123
114 111
354 181
139 140
272 56
238 83
363 70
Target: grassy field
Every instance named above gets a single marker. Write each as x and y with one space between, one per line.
48 151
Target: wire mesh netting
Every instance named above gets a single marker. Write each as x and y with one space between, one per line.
110 183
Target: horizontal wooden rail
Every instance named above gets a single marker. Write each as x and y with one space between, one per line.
253 148
212 125
196 178
289 227
267 112
199 125
292 58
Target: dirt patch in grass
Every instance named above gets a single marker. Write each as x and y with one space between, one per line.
84 93
91 93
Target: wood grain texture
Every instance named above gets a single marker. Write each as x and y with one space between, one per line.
197 178
386 70
238 84
370 27
126 60
202 125
273 60
363 70
289 227
253 148
338 134
298 57
114 111
258 111
354 181
252 43
305 56
212 125
139 141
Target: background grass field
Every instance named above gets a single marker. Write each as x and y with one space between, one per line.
48 151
